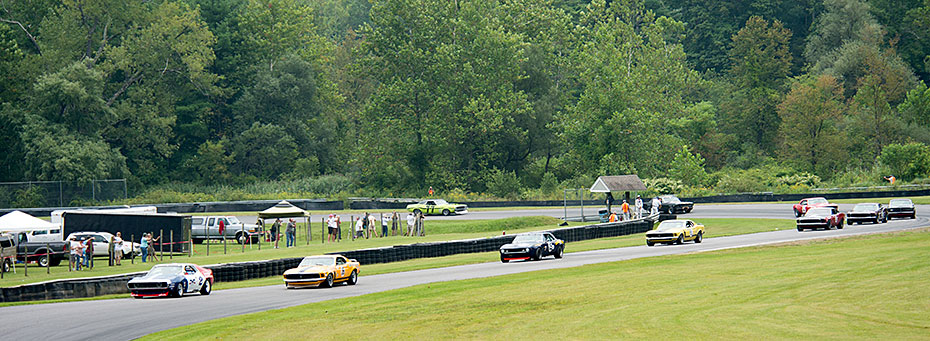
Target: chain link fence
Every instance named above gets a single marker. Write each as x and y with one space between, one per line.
60 193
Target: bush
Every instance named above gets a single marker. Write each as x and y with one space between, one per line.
906 161
549 183
688 168
503 184
663 185
743 181
32 196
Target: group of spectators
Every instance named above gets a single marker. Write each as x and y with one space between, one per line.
366 226
635 212
290 232
82 250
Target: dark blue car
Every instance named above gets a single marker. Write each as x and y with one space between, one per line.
172 280
533 245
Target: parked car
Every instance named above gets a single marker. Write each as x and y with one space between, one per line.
871 212
437 206
322 271
826 217
532 245
45 253
901 208
7 251
672 205
675 232
174 279
102 244
801 208
208 227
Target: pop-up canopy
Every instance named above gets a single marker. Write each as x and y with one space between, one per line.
18 221
283 209
617 183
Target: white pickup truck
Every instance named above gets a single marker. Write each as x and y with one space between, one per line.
208 227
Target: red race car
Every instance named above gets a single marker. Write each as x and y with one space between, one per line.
822 217
802 207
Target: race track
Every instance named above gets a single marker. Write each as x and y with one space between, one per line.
122 319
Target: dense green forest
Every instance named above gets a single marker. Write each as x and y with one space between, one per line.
509 98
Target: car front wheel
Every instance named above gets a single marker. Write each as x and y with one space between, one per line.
179 290
699 238
446 212
328 282
504 260
558 253
648 243
353 278
417 211
681 239
538 254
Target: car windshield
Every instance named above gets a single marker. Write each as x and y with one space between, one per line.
163 270
440 202
670 199
900 203
817 201
819 212
528 239
318 261
866 208
670 225
233 220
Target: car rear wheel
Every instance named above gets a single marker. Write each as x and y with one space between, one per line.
681 239
207 288
353 278
7 265
699 238
241 238
446 212
43 260
328 283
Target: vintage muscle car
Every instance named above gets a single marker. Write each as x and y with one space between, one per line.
675 232
172 280
871 212
532 245
322 271
804 205
672 205
822 217
437 206
901 208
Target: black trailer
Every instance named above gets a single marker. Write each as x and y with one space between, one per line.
133 225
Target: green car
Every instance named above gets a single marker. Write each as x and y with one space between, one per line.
437 206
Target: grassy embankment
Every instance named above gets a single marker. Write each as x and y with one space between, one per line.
869 287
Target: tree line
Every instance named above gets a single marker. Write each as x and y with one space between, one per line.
477 96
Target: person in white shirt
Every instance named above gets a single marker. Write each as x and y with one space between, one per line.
118 248
639 207
411 220
655 205
359 228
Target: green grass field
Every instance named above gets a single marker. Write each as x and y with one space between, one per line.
870 287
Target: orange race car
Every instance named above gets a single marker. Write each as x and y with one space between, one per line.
322 271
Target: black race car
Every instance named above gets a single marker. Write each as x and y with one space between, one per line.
672 205
532 245
871 212
903 208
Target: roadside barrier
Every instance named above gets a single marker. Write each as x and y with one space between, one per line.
229 272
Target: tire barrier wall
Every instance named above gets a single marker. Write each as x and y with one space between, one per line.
231 272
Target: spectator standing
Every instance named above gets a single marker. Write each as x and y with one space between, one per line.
111 247
365 225
89 252
339 228
144 244
291 232
76 251
625 208
274 230
359 227
152 246
430 192
639 207
655 205
118 245
261 227
372 226
331 227
384 225
411 220
891 179
395 220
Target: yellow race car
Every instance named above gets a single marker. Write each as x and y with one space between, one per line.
322 271
675 232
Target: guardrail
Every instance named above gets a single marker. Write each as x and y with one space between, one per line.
89 287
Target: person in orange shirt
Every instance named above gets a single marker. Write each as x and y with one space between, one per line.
890 179
626 210
613 217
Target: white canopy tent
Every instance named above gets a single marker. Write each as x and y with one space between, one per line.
19 221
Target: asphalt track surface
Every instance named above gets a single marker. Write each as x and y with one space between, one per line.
121 319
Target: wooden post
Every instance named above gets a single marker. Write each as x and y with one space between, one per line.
352 226
161 244
581 194
242 233
224 242
132 260
171 245
48 264
207 240
323 234
3 262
